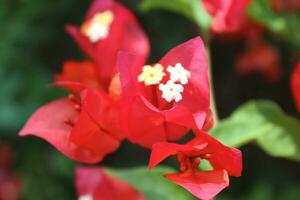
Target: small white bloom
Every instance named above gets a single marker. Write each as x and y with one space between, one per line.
86 197
171 91
179 74
97 32
152 75
98 27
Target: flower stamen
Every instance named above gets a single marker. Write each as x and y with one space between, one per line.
179 74
171 91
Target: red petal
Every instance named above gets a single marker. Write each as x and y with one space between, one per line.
48 124
162 150
141 124
77 76
227 14
192 56
295 85
99 185
102 109
221 156
96 128
204 185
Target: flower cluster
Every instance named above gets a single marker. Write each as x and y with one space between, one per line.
115 95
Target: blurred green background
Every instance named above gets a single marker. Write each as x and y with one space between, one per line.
33 45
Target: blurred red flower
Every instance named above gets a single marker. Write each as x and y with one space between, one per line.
94 183
295 85
84 129
108 28
10 186
227 15
260 57
162 102
10 183
203 184
285 5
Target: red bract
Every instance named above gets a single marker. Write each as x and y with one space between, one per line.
295 86
227 14
203 184
95 184
260 57
83 129
77 76
163 101
108 28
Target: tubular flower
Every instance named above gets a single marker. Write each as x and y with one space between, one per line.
108 28
295 86
227 15
95 184
260 57
162 102
202 184
83 128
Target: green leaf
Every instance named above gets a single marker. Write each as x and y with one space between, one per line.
265 123
192 9
152 183
261 11
287 25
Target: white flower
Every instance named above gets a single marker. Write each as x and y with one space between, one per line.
179 74
151 75
86 197
98 27
171 91
97 32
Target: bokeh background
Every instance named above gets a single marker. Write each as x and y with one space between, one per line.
33 45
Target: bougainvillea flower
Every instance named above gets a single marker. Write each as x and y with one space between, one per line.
227 15
6 156
83 129
161 102
10 183
108 28
295 85
202 184
10 186
93 183
285 5
259 57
